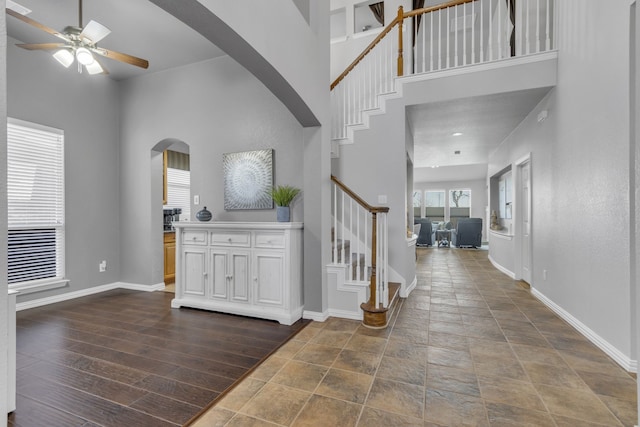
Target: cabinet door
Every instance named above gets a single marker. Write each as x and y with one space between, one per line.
169 262
195 271
219 277
269 277
239 276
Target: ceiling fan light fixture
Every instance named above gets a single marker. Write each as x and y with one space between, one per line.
64 57
94 68
84 56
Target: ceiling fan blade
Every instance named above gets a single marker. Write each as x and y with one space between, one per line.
37 25
122 57
42 46
94 31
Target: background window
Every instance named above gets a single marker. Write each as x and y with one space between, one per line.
459 205
35 203
434 204
417 204
179 183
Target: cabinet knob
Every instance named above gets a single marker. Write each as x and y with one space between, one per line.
229 239
194 238
204 274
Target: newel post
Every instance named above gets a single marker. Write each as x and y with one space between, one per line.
373 284
400 20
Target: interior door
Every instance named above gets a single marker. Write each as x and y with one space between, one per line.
525 191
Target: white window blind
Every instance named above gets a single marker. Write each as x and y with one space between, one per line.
35 203
179 191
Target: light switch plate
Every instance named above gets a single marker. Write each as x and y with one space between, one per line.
196 199
382 198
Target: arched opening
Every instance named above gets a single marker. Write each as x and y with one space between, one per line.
170 200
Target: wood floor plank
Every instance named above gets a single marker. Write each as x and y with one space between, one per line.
104 369
198 378
126 358
143 364
112 390
32 413
168 409
85 405
177 390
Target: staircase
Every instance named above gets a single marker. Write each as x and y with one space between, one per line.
359 246
422 45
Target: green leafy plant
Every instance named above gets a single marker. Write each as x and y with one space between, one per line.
283 195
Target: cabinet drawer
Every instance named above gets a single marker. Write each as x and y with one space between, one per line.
194 237
269 240
241 239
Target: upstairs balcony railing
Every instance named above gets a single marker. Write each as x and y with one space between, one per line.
453 34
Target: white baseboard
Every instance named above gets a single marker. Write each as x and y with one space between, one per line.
86 292
502 269
315 315
411 287
146 288
344 314
622 359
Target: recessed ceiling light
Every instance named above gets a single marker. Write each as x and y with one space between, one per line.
435 166
457 134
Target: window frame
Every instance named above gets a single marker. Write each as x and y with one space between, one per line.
16 219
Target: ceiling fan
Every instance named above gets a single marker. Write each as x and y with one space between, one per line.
80 44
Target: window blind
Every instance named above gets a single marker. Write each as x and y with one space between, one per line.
179 191
35 202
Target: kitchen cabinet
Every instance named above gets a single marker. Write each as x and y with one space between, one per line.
246 268
169 257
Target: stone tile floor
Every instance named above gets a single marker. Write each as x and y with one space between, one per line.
468 347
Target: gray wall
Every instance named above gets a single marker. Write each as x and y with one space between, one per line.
85 107
580 173
376 164
215 107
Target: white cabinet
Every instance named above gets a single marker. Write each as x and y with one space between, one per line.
229 275
268 273
246 268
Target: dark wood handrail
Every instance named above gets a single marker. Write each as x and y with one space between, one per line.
364 53
358 199
388 29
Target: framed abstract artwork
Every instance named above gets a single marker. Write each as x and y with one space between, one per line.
248 176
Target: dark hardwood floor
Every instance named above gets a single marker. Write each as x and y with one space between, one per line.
125 358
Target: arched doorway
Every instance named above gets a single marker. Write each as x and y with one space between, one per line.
171 194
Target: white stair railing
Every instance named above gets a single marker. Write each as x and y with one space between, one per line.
360 241
453 34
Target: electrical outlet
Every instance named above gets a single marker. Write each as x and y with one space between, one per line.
544 274
102 267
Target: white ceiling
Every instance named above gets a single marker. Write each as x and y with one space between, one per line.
138 28
484 122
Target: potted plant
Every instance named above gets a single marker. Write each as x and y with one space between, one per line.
283 195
